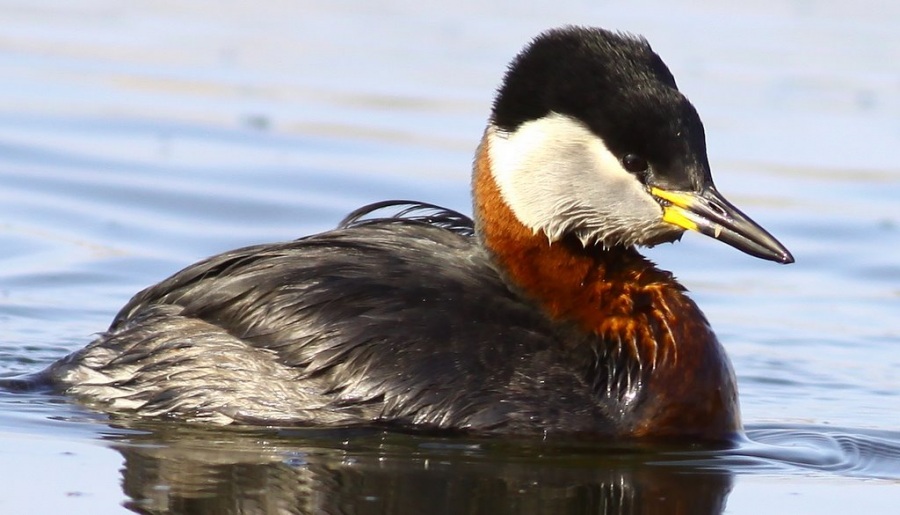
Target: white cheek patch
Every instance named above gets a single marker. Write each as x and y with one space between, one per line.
558 177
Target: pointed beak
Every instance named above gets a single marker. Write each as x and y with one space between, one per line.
709 213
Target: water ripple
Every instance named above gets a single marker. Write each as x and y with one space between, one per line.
847 452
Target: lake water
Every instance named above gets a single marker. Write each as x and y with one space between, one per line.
137 137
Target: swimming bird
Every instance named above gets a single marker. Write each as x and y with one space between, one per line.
537 316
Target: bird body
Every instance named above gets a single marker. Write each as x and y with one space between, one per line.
537 316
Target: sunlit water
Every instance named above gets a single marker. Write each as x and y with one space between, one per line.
138 137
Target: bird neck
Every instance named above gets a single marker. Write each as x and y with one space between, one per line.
654 359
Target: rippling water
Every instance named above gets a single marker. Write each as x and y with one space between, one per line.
136 138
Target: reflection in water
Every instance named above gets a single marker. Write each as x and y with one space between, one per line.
173 468
201 470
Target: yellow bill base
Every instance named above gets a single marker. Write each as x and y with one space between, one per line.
676 214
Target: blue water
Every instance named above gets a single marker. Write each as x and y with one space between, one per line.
138 137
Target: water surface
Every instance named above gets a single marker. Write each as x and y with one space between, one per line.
137 138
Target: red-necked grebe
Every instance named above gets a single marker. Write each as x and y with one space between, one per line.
537 317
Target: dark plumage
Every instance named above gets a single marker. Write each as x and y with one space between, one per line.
333 329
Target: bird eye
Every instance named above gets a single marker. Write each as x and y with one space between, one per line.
635 163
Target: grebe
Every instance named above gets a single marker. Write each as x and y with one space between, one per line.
538 317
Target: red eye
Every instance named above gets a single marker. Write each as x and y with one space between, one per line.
635 163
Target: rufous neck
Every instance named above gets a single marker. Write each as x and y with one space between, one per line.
679 380
571 282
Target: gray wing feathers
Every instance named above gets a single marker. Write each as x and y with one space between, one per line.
373 322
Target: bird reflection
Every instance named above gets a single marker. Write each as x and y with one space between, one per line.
203 470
